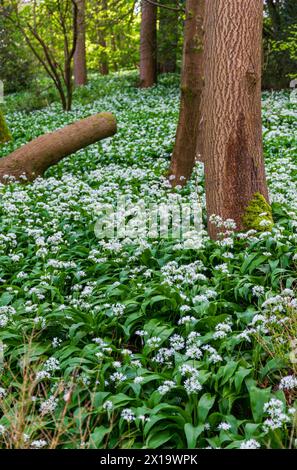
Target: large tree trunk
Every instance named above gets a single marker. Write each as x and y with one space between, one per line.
80 64
186 150
232 127
33 159
4 132
148 45
168 37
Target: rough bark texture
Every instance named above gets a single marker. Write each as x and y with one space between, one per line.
35 157
148 45
4 132
186 150
232 127
80 65
168 37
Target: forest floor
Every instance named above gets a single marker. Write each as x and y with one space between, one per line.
139 342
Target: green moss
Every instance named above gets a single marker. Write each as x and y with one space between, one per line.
258 214
198 44
4 132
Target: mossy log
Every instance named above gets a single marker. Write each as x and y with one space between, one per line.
4 132
33 159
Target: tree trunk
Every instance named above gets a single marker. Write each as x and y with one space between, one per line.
232 125
148 45
168 37
80 65
4 132
104 65
33 159
186 150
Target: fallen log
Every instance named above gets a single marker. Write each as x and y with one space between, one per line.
34 158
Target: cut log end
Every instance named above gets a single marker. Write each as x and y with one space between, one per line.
33 159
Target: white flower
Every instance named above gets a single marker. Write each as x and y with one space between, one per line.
177 342
288 383
166 387
277 417
51 364
187 319
38 444
138 380
42 374
257 292
187 369
128 415
192 385
56 342
224 426
107 405
117 364
194 352
118 377
250 444
49 405
153 342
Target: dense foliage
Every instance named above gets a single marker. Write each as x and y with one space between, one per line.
16 66
144 343
280 43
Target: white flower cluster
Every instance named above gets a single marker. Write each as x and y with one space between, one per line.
288 383
275 409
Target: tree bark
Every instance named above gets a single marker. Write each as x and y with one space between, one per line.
232 125
4 132
185 149
80 64
34 158
148 45
168 37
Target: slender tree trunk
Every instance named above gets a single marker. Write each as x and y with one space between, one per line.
80 65
4 132
186 150
148 45
232 125
104 65
114 50
168 37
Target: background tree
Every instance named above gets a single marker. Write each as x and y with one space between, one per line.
53 51
148 44
16 64
80 64
168 36
280 31
113 35
185 149
103 60
232 127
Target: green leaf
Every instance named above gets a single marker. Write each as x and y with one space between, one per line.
258 397
204 405
192 433
97 436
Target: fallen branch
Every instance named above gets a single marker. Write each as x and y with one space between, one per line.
33 159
